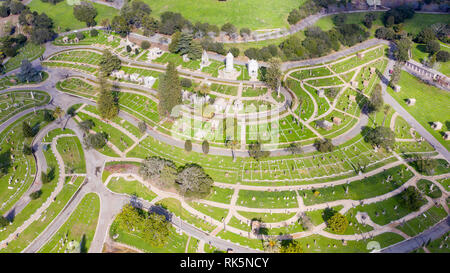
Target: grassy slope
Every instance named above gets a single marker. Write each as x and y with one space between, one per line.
62 14
432 104
254 14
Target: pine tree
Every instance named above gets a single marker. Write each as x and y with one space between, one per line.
273 75
169 90
27 130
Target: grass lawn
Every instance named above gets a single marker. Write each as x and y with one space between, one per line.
35 228
427 187
30 51
62 14
440 245
135 188
72 154
78 229
424 221
254 14
432 104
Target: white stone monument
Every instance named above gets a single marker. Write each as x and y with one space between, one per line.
205 60
253 70
229 72
229 63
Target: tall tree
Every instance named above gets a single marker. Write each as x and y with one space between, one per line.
376 99
28 73
192 181
109 62
106 103
85 12
169 90
273 73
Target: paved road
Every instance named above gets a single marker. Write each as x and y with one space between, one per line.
414 243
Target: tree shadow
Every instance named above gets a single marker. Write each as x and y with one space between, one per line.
83 248
11 215
328 213
5 162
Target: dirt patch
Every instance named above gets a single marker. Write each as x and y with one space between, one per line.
123 168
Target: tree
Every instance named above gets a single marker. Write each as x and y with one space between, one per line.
188 145
27 130
93 32
292 247
381 137
272 245
411 198
295 148
163 172
229 29
443 56
27 150
86 125
35 195
338 223
401 52
192 181
173 46
273 73
142 126
425 35
45 178
169 90
195 50
385 33
235 51
186 83
205 147
58 112
324 145
129 218
106 103
85 12
339 19
3 221
396 74
28 73
255 151
96 141
368 19
145 45
48 115
120 25
109 62
432 47
376 99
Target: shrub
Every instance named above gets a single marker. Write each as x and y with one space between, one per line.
186 83
443 56
432 47
338 223
35 195
324 145
188 145
142 126
94 32
145 45
235 51
79 35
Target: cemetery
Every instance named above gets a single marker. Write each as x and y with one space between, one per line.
237 147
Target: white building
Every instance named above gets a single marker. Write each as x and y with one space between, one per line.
154 53
149 81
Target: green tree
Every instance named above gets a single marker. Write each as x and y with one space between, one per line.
35 195
273 73
324 145
3 221
411 199
58 112
426 165
425 35
120 25
96 141
255 150
161 171
142 126
272 245
106 103
376 99
401 52
192 181
338 223
109 62
86 125
85 12
432 46
169 90
27 149
381 137
205 147
292 247
188 145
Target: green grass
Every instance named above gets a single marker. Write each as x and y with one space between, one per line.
80 227
11 103
62 14
261 199
427 187
426 110
424 221
253 14
217 213
267 217
72 154
440 245
361 189
35 228
135 188
30 51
